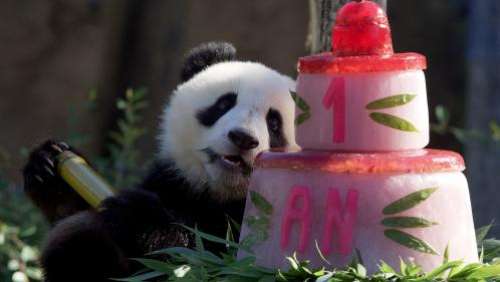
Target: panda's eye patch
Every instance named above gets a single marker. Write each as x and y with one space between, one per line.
275 128
211 114
273 119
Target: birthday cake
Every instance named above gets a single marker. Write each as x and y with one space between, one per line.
363 184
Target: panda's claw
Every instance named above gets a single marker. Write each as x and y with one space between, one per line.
38 178
56 148
42 163
64 146
49 162
49 170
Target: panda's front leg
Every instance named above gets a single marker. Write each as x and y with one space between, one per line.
46 188
139 221
97 245
80 249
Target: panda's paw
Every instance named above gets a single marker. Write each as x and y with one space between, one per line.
41 168
46 188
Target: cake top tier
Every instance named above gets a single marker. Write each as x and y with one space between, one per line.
361 42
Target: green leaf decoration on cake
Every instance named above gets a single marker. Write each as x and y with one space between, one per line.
409 201
302 118
261 203
403 204
391 101
407 222
300 102
259 224
393 122
303 106
409 241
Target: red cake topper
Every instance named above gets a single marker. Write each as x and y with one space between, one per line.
361 29
361 42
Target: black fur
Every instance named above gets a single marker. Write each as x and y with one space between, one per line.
80 248
96 245
275 128
205 55
210 115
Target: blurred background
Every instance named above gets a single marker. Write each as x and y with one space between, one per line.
65 65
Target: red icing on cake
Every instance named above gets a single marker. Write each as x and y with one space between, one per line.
417 161
361 42
327 63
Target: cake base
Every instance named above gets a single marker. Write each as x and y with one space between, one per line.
387 206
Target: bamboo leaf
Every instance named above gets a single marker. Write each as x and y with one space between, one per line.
198 241
393 122
204 256
155 265
407 222
141 277
482 232
215 239
408 201
409 241
261 203
391 101
442 115
300 102
440 271
446 255
320 253
385 268
301 118
485 272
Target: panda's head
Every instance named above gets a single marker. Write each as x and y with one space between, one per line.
223 114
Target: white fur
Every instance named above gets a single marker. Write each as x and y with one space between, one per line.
182 136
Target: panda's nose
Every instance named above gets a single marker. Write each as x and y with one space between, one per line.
242 140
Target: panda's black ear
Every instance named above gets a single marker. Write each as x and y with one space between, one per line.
205 55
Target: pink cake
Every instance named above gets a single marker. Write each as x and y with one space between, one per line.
363 182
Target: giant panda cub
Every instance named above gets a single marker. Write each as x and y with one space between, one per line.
219 118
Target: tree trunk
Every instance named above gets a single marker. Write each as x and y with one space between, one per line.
483 106
322 16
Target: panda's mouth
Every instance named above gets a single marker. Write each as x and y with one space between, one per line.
234 161
231 162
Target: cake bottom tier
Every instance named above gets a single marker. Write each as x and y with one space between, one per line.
384 216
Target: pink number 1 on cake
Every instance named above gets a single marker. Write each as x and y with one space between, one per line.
335 98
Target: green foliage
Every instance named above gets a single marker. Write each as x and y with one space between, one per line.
22 226
443 127
18 255
122 166
75 136
21 230
200 265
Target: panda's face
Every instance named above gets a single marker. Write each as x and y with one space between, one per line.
218 121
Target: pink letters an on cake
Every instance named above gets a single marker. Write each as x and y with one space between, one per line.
297 214
340 220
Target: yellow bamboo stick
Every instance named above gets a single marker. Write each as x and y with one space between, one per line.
83 179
